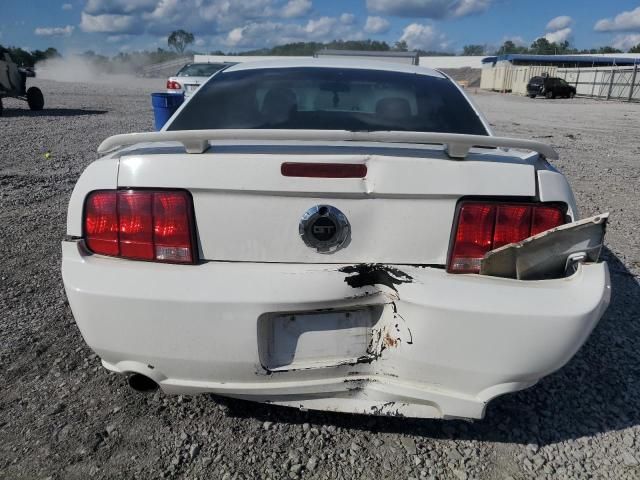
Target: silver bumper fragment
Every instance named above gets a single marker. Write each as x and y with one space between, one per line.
550 254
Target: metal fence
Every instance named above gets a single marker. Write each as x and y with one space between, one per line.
609 83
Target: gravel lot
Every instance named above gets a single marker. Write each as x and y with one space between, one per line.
62 416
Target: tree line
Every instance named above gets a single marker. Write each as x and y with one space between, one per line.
26 58
310 48
540 46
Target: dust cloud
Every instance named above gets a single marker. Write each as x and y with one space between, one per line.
78 69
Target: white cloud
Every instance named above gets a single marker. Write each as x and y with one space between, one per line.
470 7
201 17
428 8
559 29
117 38
55 31
263 34
624 22
559 36
109 23
424 37
625 42
376 25
120 7
67 6
296 8
347 19
321 27
559 23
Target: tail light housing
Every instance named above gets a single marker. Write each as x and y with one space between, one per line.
173 85
484 226
154 225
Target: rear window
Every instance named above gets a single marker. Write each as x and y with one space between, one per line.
200 69
329 99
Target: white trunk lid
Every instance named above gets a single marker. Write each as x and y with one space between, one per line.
402 212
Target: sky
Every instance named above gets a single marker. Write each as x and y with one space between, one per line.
112 26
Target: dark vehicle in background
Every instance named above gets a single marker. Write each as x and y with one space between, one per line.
191 76
550 87
13 83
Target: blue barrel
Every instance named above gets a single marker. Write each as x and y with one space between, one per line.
165 105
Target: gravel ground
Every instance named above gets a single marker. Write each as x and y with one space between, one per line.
62 416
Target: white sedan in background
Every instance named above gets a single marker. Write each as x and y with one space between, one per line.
191 76
332 236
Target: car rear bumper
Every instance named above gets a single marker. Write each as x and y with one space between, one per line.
440 346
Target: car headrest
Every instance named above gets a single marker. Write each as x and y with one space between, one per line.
279 103
393 107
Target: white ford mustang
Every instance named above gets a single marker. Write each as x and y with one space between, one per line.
336 236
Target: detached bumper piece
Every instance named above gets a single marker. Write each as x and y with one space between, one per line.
551 254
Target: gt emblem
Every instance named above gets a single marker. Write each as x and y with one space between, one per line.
325 228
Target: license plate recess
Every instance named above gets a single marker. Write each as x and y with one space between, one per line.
304 340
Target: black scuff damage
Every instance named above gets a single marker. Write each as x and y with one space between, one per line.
391 331
371 274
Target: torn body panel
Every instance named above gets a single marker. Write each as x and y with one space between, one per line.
550 254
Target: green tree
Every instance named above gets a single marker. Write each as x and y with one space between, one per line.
635 49
179 39
310 48
473 50
510 47
608 49
21 57
542 46
39 55
401 46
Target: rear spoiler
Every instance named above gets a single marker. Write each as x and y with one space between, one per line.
456 145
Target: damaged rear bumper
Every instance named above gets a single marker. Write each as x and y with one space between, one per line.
424 344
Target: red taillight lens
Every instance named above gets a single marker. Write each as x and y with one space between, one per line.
545 218
173 85
136 225
172 227
483 227
513 223
101 223
140 224
473 237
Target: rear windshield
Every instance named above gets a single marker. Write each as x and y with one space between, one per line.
329 99
200 69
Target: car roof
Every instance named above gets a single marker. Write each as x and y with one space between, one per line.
206 63
325 62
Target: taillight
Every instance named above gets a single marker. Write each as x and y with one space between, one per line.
173 85
101 223
152 225
484 226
